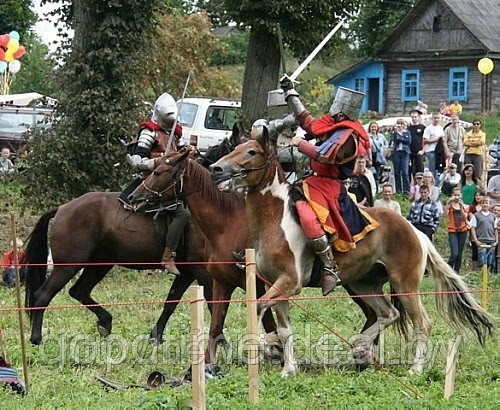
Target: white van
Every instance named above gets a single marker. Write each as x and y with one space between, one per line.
207 121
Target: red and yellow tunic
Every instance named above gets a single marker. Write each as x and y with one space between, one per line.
331 162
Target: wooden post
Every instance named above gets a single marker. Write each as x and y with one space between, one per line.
484 294
19 300
451 362
197 348
252 329
381 347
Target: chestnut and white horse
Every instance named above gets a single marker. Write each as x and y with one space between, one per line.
395 252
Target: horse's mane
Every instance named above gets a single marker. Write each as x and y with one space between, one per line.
227 202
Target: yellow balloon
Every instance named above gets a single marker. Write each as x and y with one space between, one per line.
9 56
485 66
13 46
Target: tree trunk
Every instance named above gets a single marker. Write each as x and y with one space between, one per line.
261 72
85 23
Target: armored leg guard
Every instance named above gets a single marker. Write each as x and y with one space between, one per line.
323 249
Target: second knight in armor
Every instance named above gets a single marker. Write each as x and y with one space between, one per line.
152 142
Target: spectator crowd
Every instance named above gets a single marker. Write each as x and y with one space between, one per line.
431 164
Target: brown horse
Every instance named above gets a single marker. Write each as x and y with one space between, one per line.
93 229
222 218
394 252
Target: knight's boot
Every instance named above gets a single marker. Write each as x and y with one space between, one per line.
168 262
323 249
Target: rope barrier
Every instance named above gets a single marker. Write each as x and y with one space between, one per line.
291 299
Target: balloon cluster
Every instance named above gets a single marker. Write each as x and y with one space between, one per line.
10 52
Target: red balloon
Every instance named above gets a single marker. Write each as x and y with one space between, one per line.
2 54
4 39
20 52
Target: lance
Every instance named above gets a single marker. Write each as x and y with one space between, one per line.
172 133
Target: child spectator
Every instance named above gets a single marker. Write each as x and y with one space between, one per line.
475 207
415 188
450 179
444 109
386 201
424 214
484 234
469 184
456 108
6 165
8 265
457 227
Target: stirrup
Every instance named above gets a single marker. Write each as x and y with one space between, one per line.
240 258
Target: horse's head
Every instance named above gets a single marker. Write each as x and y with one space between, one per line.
246 165
165 182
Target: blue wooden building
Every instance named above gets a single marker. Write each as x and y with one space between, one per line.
432 56
368 77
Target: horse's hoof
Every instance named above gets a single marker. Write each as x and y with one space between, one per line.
36 341
156 341
274 354
362 359
289 371
416 369
104 331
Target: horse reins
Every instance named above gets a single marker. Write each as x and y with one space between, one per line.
159 194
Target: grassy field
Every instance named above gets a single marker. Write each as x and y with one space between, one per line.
63 370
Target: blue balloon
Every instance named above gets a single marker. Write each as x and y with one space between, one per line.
3 66
14 35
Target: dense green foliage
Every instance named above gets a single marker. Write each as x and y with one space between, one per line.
234 50
314 17
100 101
375 22
183 45
16 15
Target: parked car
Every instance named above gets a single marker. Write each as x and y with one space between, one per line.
207 121
15 122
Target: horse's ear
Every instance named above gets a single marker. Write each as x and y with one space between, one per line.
263 138
237 134
184 151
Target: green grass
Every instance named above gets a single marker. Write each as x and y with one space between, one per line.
70 383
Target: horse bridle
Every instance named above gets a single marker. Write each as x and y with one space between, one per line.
159 194
245 171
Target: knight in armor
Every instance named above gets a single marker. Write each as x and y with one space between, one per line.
152 142
326 209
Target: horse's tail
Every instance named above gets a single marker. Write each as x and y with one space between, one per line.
456 303
37 251
402 322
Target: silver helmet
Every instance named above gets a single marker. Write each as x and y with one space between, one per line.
348 102
164 111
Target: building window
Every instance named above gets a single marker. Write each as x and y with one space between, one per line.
410 85
458 83
359 84
436 23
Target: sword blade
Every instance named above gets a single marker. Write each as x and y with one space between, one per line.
318 48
